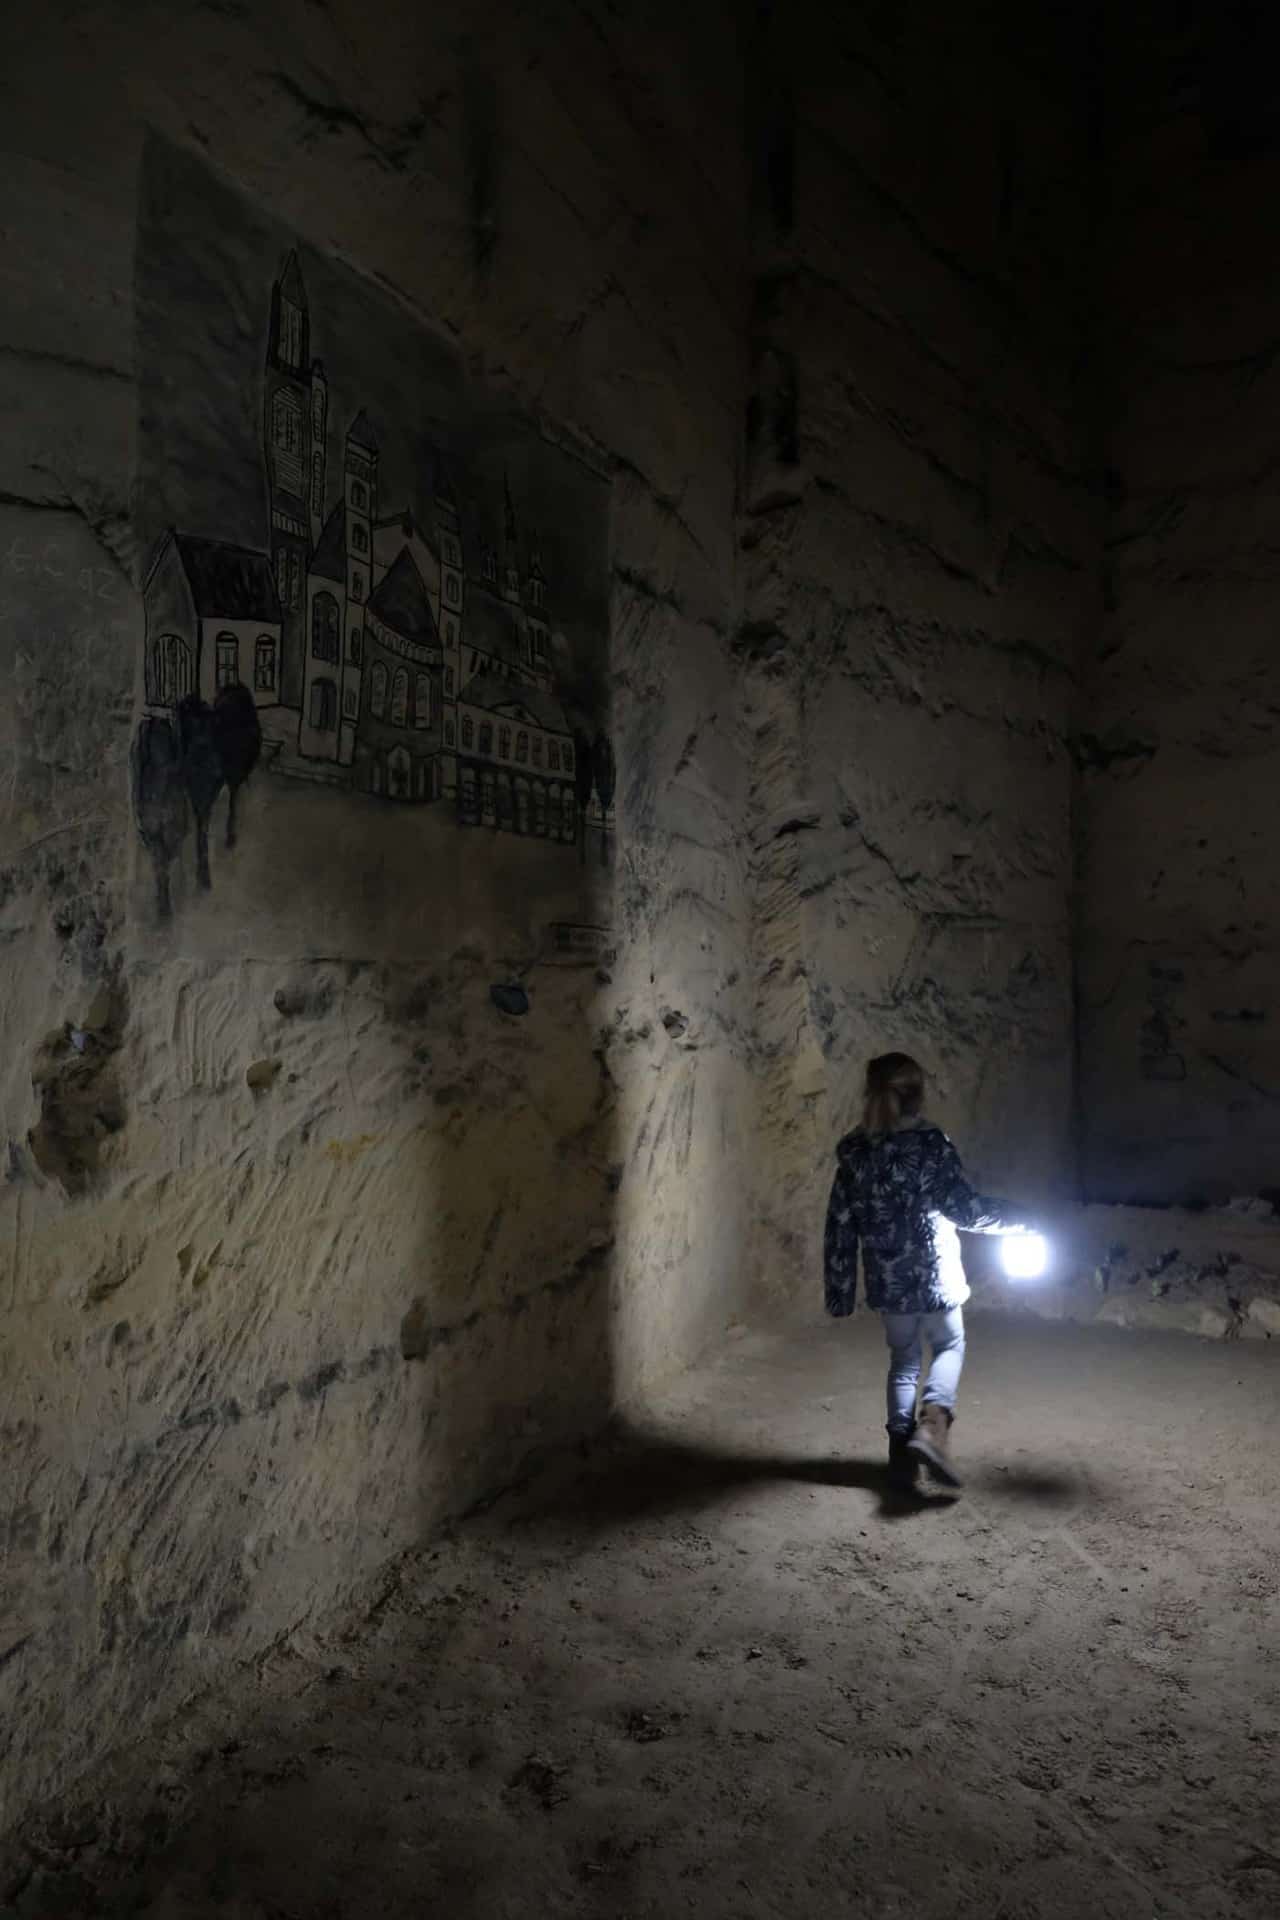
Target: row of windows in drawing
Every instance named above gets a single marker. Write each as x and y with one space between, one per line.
389 698
171 666
514 745
539 807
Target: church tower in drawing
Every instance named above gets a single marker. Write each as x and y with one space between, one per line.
294 427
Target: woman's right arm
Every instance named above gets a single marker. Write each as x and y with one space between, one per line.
961 1204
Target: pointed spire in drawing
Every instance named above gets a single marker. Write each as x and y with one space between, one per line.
291 285
361 434
511 563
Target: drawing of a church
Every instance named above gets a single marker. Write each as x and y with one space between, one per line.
401 657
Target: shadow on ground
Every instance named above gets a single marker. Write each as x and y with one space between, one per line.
643 1476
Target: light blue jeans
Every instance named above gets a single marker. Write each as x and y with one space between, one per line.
945 1334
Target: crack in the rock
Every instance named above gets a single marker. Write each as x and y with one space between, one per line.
70 362
335 118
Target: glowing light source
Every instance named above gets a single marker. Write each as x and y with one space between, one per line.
1024 1256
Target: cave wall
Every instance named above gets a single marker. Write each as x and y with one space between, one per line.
1180 897
920 546
405 1148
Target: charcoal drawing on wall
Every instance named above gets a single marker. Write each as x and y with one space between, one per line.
368 586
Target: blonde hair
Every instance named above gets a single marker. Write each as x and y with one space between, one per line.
894 1092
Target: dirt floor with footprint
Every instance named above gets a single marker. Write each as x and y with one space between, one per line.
714 1667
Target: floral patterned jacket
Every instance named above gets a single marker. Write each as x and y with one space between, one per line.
902 1195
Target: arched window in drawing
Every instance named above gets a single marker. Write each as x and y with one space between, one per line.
522 806
468 732
486 737
399 774
378 691
522 748
506 810
539 807
317 485
359 536
286 423
452 593
170 671
264 664
504 743
355 646
566 757
537 749
324 628
422 701
228 660
350 703
553 755
400 698
357 584
324 705
467 795
282 576
359 498
490 565
448 732
488 799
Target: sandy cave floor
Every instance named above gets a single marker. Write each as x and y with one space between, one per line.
715 1670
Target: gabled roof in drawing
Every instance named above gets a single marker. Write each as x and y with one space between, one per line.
231 583
329 562
401 603
497 695
408 528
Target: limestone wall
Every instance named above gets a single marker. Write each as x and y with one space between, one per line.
920 561
1180 897
333 1190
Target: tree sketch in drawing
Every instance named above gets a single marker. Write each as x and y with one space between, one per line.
394 625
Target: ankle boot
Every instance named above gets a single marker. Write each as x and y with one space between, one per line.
904 1468
931 1444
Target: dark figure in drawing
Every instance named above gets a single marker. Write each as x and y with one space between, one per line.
159 801
237 739
583 779
606 780
202 770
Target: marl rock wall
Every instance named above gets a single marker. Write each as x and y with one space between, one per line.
310 1234
1180 896
920 555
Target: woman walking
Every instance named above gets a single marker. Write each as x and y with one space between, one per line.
900 1193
